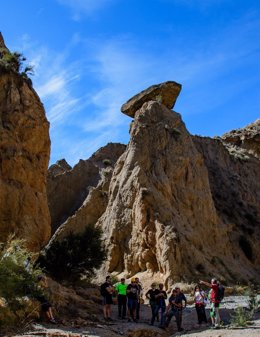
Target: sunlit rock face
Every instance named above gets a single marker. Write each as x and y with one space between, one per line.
24 158
172 206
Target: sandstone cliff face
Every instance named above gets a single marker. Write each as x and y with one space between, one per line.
161 217
69 187
177 207
24 157
235 184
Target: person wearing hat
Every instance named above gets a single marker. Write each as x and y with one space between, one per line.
150 295
132 299
121 298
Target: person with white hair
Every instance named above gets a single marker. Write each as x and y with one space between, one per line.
214 302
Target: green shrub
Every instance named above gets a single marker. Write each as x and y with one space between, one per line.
243 316
107 162
240 317
18 287
75 256
15 62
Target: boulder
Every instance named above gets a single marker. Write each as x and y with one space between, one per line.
165 93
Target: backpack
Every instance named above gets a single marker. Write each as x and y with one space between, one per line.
103 291
221 292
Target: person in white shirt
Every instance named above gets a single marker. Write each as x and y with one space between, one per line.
199 299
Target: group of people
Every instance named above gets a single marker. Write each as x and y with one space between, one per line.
129 298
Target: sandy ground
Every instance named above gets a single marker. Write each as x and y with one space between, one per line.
142 328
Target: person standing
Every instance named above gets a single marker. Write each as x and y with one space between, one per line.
172 310
199 299
180 298
132 299
121 298
107 290
160 298
140 293
150 295
214 302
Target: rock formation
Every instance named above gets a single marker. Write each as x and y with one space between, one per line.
177 207
24 157
247 138
68 188
165 93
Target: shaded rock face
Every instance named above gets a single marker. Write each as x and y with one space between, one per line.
235 185
24 157
69 187
165 93
161 218
247 138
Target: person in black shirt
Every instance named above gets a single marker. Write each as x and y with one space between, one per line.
160 298
132 299
150 295
180 298
107 290
172 309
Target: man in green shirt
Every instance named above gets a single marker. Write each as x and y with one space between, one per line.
121 298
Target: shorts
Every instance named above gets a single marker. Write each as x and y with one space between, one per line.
212 311
107 300
132 303
45 306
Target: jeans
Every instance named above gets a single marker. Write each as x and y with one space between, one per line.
155 313
178 315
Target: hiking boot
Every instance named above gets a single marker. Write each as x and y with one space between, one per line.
53 321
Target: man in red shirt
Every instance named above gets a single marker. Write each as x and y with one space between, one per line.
214 302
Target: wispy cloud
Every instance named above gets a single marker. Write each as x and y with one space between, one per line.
85 7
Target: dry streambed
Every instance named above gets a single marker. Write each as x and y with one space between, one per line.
142 329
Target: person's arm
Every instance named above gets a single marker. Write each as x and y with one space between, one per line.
165 295
146 295
205 283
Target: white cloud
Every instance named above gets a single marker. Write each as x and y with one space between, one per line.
85 7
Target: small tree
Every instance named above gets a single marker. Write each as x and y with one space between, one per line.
75 256
18 286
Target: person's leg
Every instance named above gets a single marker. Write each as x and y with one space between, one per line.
178 319
104 308
138 310
217 317
119 305
124 306
108 310
212 313
134 310
129 311
203 315
155 313
198 313
162 316
168 317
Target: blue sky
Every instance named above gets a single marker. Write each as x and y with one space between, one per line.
90 56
